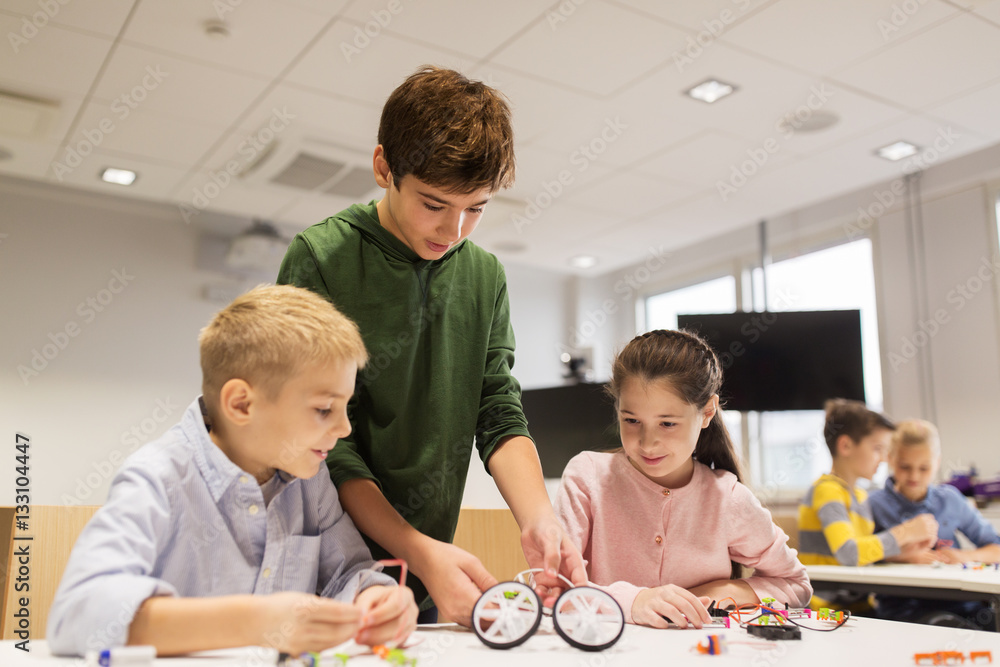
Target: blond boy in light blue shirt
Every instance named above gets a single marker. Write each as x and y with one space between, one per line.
221 533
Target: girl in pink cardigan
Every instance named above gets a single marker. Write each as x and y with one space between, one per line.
664 521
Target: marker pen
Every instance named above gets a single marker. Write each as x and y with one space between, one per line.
133 656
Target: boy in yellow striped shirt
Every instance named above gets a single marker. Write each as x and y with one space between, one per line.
835 520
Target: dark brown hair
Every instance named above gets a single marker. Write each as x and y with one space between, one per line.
853 419
449 132
690 367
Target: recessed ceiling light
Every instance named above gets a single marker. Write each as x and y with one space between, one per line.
711 90
118 176
897 151
583 261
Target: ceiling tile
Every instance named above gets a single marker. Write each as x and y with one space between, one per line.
581 52
370 70
215 191
537 107
140 134
158 83
990 10
104 17
629 194
711 158
824 36
29 159
545 175
53 63
901 73
976 111
311 113
155 181
435 22
711 17
254 45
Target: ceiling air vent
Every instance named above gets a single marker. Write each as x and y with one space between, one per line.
320 167
308 172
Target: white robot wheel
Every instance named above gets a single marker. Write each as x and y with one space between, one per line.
506 615
588 618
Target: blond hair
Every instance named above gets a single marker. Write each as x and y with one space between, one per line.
269 334
913 432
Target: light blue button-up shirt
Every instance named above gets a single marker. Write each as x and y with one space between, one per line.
182 519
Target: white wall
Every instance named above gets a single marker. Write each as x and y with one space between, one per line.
128 365
540 304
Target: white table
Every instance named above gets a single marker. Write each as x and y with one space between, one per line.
945 582
861 641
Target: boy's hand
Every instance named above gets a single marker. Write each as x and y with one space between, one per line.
656 607
920 531
951 555
296 623
918 556
454 578
388 615
547 546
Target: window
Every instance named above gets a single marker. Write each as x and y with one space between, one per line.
785 451
713 296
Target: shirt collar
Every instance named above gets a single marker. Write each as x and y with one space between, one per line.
215 467
890 487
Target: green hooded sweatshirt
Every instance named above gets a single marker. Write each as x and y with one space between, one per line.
439 375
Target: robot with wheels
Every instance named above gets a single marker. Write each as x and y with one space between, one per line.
508 614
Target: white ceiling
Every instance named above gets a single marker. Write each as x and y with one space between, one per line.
141 84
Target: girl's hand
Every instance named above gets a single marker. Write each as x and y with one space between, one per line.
656 607
388 615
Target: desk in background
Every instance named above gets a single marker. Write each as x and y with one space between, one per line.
947 582
862 641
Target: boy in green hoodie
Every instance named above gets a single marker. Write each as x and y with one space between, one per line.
432 308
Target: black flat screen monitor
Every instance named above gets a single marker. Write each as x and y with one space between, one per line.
784 360
565 421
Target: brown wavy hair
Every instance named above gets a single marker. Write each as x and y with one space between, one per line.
449 132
